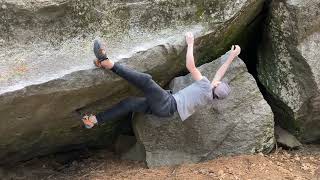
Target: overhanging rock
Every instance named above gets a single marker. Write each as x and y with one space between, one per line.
47 77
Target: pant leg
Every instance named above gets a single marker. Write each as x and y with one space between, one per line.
159 100
126 106
136 78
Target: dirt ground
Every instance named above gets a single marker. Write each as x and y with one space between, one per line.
281 164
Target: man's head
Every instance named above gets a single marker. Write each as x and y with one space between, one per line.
221 90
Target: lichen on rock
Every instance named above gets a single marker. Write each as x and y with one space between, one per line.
288 66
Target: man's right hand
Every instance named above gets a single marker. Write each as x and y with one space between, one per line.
189 38
235 50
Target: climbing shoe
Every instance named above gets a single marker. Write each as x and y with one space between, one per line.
100 50
89 121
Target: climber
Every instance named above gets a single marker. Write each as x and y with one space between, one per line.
156 100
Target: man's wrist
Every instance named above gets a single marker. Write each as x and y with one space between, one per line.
190 45
233 56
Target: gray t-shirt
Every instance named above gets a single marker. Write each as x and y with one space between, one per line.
193 97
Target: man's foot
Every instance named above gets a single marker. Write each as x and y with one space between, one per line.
100 50
89 121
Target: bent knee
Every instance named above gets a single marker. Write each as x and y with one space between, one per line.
147 76
147 79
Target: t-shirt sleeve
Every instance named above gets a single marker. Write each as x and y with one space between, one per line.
204 83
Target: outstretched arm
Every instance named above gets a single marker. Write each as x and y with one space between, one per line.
195 73
235 51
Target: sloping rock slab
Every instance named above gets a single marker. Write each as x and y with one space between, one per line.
241 124
286 139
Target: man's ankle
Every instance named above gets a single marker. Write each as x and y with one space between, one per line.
107 64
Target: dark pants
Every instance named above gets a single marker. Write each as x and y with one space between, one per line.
157 101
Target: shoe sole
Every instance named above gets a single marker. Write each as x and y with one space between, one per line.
97 47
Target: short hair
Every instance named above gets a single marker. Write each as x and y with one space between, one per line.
221 91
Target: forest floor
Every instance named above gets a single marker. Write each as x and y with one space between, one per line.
280 164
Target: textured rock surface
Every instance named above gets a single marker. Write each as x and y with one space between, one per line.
289 66
47 77
135 153
286 139
242 123
123 143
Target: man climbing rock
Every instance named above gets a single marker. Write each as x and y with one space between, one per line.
156 100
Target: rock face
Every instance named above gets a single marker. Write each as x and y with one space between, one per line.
47 77
289 66
241 124
284 138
